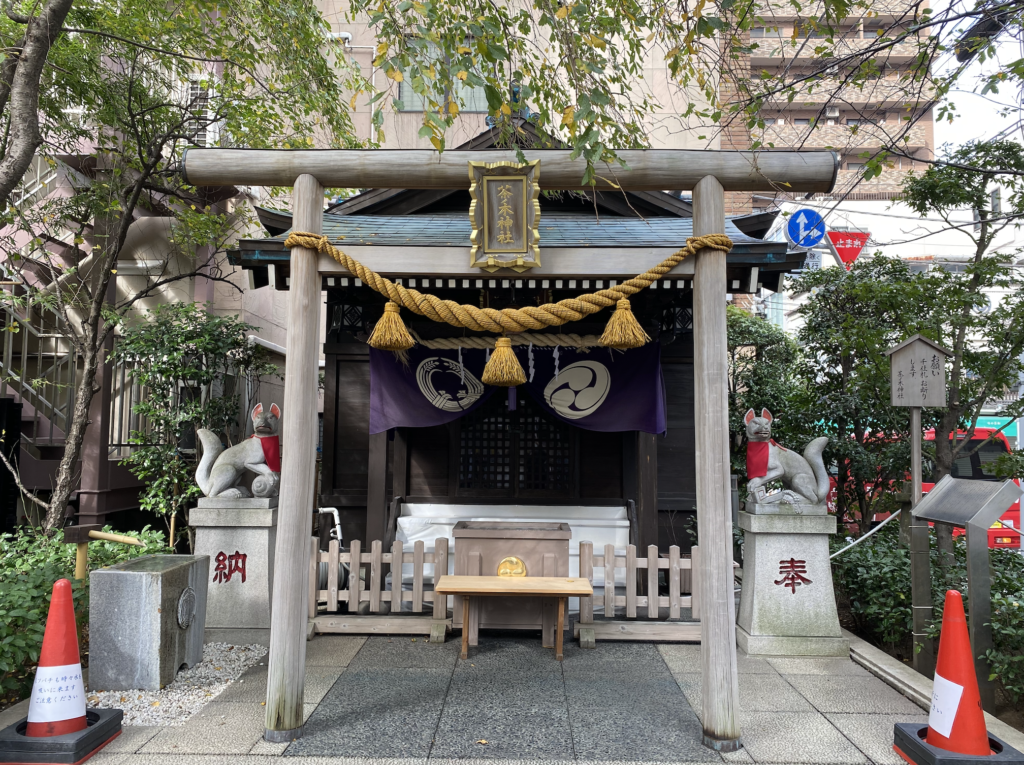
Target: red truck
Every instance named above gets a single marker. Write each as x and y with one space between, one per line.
987 446
974 462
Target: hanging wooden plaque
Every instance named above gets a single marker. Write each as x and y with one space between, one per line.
504 214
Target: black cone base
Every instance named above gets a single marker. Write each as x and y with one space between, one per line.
69 749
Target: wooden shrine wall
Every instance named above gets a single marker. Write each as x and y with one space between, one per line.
422 463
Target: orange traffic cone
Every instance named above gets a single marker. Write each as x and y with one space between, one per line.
57 705
956 721
955 734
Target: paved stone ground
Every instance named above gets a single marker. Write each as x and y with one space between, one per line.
398 702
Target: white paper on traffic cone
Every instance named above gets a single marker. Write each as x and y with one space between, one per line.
58 693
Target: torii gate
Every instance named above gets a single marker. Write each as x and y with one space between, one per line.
708 173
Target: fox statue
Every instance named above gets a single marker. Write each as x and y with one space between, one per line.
220 469
804 478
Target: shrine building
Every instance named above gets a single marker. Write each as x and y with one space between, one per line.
411 445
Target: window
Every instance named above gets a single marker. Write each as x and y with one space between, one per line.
858 166
524 453
473 98
769 121
997 203
861 121
918 268
764 32
198 107
801 121
989 452
411 100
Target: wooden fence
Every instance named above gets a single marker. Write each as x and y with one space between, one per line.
681 574
428 614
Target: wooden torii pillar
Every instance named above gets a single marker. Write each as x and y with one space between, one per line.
708 173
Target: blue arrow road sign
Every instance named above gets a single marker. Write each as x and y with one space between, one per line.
805 228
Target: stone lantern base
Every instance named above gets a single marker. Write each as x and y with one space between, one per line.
788 604
239 536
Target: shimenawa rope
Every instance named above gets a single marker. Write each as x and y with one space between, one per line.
622 331
507 320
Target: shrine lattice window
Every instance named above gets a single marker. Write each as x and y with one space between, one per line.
485 447
521 453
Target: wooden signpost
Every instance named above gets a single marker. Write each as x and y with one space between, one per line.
708 173
917 368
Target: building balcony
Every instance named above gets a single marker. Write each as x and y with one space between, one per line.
773 51
770 10
883 93
842 138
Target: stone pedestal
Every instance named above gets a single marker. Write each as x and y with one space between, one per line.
146 619
239 535
788 605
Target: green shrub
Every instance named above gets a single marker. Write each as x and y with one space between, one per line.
1007 568
874 578
30 562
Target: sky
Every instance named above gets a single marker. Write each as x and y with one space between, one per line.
979 117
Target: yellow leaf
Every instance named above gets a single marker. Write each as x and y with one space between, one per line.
352 103
395 75
482 741
569 116
651 36
562 12
155 704
671 52
453 108
462 75
506 110
464 49
436 141
382 48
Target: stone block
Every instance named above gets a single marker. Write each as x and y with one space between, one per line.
788 524
787 605
785 508
147 618
231 503
239 536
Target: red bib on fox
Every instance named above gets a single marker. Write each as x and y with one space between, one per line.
272 451
757 459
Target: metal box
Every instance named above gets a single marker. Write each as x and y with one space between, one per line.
499 548
146 621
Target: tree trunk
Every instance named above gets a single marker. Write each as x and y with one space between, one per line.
67 475
23 94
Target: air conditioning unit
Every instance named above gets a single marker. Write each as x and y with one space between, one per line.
832 111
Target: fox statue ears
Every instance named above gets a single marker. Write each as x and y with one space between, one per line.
765 414
258 410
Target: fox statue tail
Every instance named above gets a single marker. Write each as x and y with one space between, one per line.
212 447
812 453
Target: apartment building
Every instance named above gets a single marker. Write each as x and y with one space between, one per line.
860 88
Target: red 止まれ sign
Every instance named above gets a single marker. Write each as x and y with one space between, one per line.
848 244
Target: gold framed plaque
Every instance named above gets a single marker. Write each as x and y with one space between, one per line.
504 214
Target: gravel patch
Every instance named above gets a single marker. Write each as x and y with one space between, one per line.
191 690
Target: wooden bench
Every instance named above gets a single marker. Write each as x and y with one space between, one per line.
470 587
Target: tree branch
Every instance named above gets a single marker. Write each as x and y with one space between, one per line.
17 480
